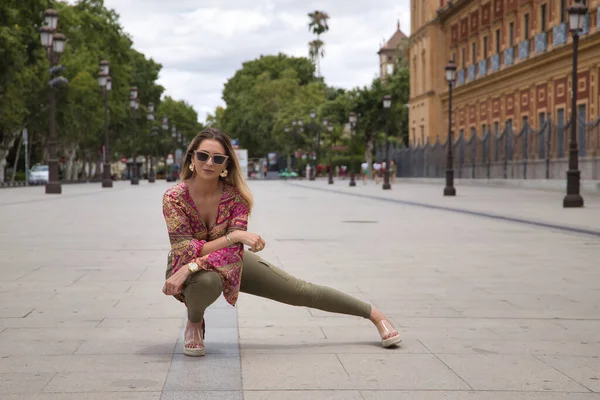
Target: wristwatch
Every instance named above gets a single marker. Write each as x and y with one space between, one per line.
193 267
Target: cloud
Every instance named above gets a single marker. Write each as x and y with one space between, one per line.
201 43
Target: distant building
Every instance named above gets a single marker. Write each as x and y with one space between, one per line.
514 62
390 51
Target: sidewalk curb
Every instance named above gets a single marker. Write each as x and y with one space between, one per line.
555 185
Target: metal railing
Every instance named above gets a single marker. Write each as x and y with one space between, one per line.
528 153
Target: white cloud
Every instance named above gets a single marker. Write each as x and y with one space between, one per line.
201 43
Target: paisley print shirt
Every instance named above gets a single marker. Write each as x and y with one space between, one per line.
188 234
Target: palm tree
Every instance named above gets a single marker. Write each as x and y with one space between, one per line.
316 51
318 26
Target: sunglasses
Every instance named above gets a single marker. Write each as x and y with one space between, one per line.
203 156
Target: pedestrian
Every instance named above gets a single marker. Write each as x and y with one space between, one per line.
376 171
206 215
364 167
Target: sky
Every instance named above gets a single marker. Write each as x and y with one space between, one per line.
202 43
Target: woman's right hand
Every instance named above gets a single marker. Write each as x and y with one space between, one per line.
250 239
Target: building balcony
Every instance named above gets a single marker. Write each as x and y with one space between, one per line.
461 77
524 49
559 34
471 72
541 42
482 68
586 26
509 56
495 63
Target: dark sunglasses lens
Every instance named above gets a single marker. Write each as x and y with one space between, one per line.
202 156
219 159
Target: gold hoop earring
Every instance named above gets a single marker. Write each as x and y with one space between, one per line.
192 167
223 174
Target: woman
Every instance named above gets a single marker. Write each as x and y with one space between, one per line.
207 217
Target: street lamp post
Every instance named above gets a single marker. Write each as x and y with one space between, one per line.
165 127
134 104
577 13
55 46
313 125
449 190
150 118
330 129
106 84
387 104
352 120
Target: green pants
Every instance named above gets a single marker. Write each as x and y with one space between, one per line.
263 279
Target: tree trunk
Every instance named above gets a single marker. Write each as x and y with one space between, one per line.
5 146
71 172
98 173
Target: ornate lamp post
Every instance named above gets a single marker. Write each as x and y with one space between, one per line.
134 105
313 126
352 119
577 12
449 190
387 104
330 129
55 46
150 118
106 84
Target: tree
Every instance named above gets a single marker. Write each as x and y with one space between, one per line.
318 26
264 95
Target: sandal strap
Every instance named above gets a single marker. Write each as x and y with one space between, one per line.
386 326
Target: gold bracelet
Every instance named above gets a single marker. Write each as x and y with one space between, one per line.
229 239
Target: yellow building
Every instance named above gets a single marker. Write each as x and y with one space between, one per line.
514 63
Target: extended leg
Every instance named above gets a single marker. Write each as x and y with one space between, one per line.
263 279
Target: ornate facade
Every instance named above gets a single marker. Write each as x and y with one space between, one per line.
514 60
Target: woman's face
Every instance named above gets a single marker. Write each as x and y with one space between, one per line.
204 162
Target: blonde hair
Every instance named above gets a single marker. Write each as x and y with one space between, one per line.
234 175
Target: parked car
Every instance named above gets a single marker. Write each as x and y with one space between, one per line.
39 174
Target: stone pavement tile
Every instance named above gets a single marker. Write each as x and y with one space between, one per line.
51 321
302 395
443 345
85 363
15 311
54 275
302 371
14 383
203 395
96 396
211 372
144 343
146 323
38 347
473 395
293 333
325 346
368 334
585 370
163 333
400 371
553 332
75 382
509 372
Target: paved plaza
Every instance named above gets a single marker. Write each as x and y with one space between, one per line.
496 293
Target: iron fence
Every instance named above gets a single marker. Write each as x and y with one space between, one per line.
529 153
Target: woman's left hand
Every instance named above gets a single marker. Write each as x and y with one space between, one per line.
174 285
